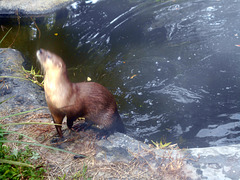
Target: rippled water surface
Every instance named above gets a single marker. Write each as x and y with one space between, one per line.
173 67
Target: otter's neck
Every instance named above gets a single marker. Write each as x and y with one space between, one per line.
57 88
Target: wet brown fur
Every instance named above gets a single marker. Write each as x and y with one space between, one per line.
86 99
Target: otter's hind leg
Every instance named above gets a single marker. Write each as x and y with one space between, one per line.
70 122
103 134
82 127
78 127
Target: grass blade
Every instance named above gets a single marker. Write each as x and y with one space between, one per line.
5 35
41 145
28 123
15 163
17 114
14 77
7 99
14 132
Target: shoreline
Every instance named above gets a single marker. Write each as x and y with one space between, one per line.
196 163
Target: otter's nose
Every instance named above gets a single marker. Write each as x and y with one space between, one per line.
40 51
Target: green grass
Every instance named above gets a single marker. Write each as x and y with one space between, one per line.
78 175
16 163
81 174
33 76
30 75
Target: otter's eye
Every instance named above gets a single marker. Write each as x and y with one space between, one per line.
49 56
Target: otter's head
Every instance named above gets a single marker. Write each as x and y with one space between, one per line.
50 61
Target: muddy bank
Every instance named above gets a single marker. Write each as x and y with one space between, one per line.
120 156
29 7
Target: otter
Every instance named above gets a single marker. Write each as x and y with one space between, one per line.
73 100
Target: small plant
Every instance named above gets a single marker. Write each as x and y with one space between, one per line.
161 144
15 163
81 174
62 178
78 175
34 76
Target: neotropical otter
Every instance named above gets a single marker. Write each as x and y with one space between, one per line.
86 99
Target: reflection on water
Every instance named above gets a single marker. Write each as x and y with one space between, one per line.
174 67
179 94
225 133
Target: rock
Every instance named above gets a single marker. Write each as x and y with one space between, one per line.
216 162
30 7
22 93
117 148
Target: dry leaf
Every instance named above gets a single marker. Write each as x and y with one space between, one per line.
133 76
89 79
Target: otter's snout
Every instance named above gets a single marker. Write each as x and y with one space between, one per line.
40 52
41 55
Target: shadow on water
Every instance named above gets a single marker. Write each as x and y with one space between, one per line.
173 67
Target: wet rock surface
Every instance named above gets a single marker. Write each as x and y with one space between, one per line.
29 7
22 93
216 162
198 163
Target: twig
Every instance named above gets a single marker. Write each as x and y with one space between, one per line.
39 35
3 83
18 19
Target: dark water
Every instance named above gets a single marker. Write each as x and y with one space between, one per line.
173 67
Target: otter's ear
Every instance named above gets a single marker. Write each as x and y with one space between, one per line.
59 65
